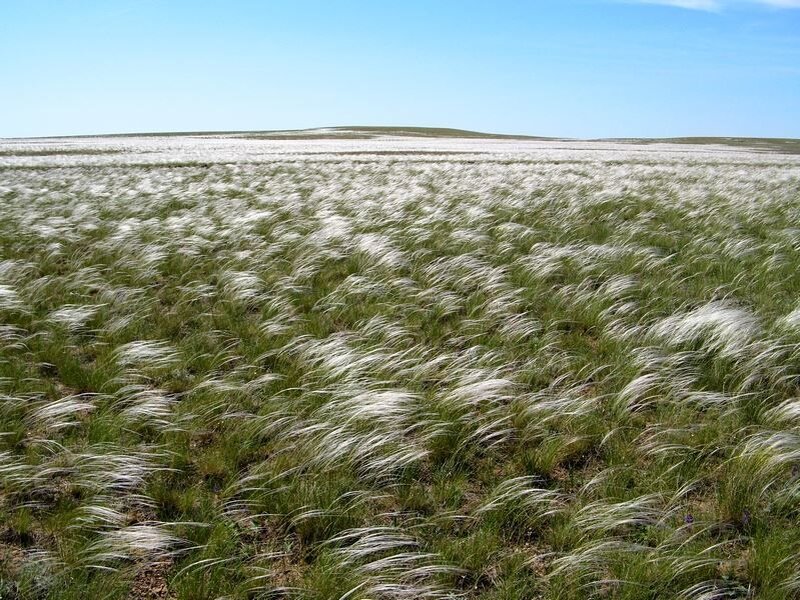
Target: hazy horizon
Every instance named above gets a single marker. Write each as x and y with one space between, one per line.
381 130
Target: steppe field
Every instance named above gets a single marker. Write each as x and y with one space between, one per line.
351 364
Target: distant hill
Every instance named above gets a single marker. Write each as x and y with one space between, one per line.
343 132
783 145
369 132
365 132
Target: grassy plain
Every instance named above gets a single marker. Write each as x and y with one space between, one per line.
398 367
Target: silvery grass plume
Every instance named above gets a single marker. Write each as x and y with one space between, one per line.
393 409
135 542
17 476
784 415
12 338
10 300
105 468
58 414
762 462
790 321
589 566
718 326
716 590
561 401
242 286
602 517
376 454
389 563
74 316
677 445
479 402
140 404
146 354
523 495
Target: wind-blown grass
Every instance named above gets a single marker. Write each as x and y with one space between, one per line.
398 368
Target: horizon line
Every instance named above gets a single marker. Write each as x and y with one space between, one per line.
412 130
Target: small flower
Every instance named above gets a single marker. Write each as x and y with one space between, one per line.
688 519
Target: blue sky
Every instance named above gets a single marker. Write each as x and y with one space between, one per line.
577 68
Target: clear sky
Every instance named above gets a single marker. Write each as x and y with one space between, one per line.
577 68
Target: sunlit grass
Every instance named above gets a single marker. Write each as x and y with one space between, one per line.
328 371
